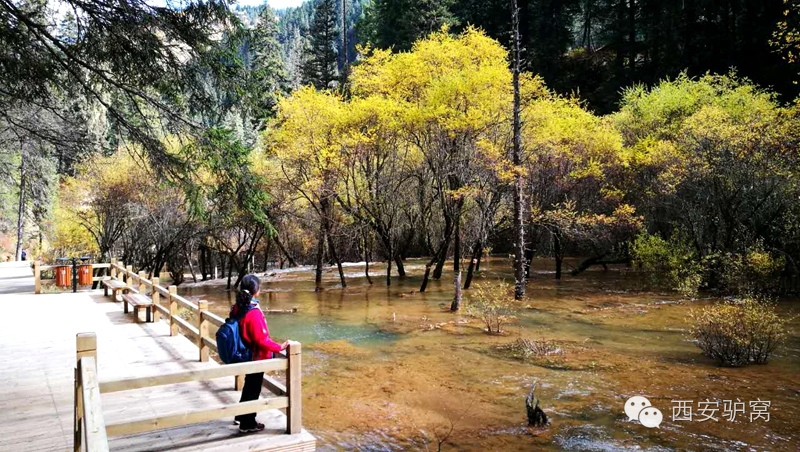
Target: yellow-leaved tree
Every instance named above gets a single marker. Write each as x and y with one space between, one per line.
307 144
453 94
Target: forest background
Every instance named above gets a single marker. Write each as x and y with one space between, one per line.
199 135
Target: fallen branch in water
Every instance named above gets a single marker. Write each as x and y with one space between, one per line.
280 311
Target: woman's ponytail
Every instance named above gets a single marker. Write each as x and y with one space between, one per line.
247 289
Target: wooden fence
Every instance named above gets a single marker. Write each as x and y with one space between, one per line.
90 430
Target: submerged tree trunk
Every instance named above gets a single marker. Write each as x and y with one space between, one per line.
472 264
367 257
426 277
519 231
597 260
456 304
335 256
320 252
398 262
440 260
21 209
557 252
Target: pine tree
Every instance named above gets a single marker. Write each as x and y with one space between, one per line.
268 73
398 23
320 65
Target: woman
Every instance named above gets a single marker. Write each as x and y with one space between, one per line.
255 334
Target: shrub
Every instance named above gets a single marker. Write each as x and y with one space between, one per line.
672 263
753 272
524 348
738 333
494 304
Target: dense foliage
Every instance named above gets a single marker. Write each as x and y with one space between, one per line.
408 152
597 48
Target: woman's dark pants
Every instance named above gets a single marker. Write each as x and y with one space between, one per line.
251 391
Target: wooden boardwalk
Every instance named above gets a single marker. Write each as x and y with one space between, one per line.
37 358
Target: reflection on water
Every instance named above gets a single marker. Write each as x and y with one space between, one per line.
389 369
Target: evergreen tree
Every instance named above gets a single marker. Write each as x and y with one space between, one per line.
267 72
321 57
398 23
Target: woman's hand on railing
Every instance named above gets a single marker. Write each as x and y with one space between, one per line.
285 345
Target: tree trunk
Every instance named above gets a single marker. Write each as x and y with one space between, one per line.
335 256
480 257
398 261
456 304
605 263
632 39
191 267
345 61
203 263
528 262
320 252
457 245
230 271
367 257
440 261
472 264
21 209
426 277
268 246
519 231
282 249
557 252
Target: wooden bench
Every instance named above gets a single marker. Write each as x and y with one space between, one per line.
138 301
115 285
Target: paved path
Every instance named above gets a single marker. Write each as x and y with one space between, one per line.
16 277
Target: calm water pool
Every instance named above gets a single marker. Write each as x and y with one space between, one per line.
389 369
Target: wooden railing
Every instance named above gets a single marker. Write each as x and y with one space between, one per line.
166 302
89 430
91 433
38 268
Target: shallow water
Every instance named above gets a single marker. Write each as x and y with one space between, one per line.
388 369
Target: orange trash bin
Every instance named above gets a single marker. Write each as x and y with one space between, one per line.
63 275
85 275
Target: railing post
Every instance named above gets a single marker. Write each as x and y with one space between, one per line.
173 311
37 277
202 329
294 412
156 296
128 273
142 286
85 345
239 382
